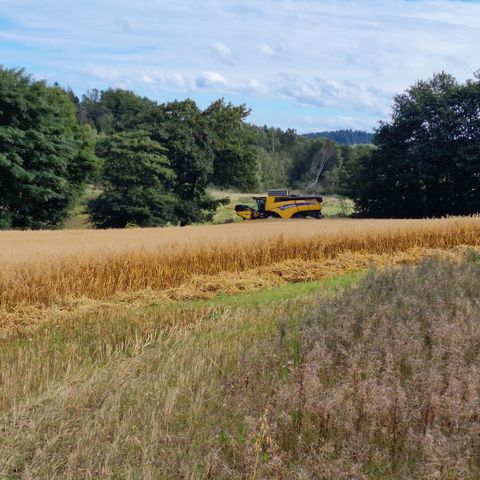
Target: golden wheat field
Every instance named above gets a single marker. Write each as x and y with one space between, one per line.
62 269
31 246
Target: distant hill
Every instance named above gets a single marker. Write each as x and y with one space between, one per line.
345 137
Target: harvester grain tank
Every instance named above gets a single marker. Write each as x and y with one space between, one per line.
281 204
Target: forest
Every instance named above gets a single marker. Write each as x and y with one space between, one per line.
345 137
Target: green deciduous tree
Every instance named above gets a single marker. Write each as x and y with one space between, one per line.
45 154
116 110
137 182
182 128
427 161
236 163
348 176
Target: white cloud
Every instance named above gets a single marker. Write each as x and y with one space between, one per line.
267 49
128 78
330 93
147 79
254 87
111 74
221 50
169 80
210 79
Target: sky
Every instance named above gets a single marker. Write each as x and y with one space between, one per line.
311 65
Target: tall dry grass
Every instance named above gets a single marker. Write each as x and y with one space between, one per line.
384 384
132 394
45 280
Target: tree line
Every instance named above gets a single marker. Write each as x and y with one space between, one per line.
153 162
345 137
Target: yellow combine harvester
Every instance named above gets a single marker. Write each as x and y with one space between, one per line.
279 204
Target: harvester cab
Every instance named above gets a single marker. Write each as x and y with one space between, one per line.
280 204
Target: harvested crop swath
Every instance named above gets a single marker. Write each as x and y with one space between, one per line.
229 283
202 251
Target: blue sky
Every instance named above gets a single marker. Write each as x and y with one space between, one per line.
306 64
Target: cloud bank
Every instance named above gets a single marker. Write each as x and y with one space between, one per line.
305 64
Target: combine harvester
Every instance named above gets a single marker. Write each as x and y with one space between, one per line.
279 204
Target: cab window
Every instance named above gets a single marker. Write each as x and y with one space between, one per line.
261 204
